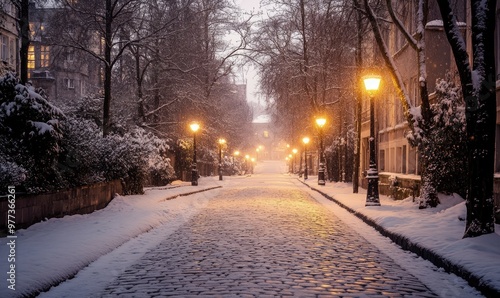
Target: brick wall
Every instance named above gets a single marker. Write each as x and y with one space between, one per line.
31 209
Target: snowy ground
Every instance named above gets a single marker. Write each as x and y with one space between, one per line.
437 229
99 246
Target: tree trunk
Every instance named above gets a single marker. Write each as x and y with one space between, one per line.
24 26
106 118
480 101
358 107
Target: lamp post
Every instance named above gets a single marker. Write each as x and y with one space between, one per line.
294 151
247 158
221 142
372 83
253 163
305 141
320 121
236 153
194 171
290 163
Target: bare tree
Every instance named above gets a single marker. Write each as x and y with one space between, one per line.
478 87
419 119
94 27
303 51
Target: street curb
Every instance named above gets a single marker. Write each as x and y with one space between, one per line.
423 252
189 193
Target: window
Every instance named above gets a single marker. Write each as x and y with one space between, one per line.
69 83
399 159
403 162
414 92
70 57
13 52
4 48
382 160
412 160
44 56
31 57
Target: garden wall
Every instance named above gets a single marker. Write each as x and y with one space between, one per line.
31 209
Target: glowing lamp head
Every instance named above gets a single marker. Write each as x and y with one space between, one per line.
372 82
305 140
236 153
222 141
194 126
321 121
294 151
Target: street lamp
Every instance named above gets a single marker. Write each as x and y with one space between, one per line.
320 121
305 140
236 153
194 171
247 158
253 163
221 142
372 83
294 151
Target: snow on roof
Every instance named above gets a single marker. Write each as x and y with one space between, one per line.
262 119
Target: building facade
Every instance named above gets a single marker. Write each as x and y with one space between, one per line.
9 41
395 156
62 72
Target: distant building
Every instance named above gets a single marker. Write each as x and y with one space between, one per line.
395 155
9 41
62 72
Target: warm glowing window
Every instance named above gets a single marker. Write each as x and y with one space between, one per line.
44 56
31 57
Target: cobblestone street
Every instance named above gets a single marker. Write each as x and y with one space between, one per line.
265 241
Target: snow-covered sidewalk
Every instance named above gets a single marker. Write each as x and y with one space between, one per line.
52 251
436 230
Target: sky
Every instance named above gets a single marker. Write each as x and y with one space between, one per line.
97 247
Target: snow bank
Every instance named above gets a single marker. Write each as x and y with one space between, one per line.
54 250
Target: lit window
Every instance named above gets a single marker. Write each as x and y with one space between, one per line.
31 57
44 56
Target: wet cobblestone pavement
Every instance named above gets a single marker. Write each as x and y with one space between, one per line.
267 241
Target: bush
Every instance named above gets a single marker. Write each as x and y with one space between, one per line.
31 135
42 149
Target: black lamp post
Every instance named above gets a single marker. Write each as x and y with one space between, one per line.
194 171
372 196
221 142
305 141
321 171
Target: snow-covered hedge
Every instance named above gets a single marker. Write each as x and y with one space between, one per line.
43 149
30 130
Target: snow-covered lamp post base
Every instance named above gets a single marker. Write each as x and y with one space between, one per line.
372 198
194 175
